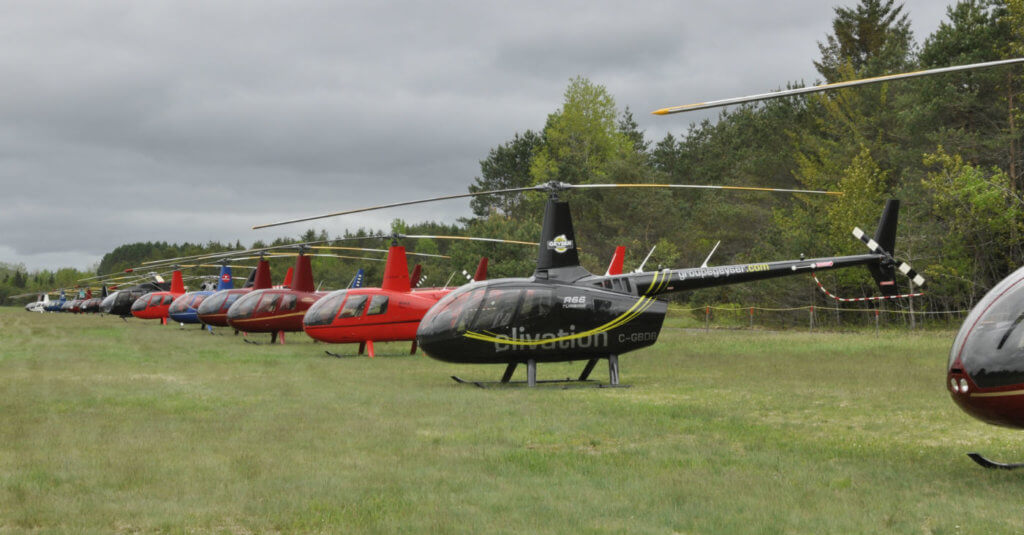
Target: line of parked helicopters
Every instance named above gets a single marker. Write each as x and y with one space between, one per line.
562 312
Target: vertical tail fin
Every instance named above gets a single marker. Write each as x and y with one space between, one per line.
261 277
357 280
302 277
226 282
481 270
414 279
396 270
615 267
177 283
287 283
558 240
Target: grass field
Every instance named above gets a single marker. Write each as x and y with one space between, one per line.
114 427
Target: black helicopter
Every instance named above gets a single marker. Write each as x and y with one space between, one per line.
565 313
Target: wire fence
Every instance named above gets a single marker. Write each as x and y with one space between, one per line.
812 317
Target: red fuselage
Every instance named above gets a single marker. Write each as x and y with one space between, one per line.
214 309
271 310
370 314
154 305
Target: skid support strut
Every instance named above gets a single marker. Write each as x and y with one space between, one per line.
587 369
613 370
509 370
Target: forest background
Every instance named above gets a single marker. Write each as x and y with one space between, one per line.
950 147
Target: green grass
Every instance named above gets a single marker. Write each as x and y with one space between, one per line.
113 427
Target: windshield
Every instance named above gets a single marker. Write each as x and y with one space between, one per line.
323 311
179 305
990 345
212 304
245 305
353 307
269 303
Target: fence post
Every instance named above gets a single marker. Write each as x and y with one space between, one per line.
707 319
811 320
876 321
751 318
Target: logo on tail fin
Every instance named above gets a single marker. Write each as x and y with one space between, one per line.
560 244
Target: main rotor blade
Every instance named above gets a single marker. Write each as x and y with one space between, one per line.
699 186
830 86
470 238
407 253
396 204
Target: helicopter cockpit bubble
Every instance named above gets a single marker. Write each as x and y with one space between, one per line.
990 344
245 306
986 363
325 310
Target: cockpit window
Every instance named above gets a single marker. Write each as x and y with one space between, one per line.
231 300
288 302
269 303
458 310
211 305
497 309
323 311
167 300
378 305
178 306
990 344
244 307
353 307
536 303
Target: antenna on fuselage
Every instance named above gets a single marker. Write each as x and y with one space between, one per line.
713 249
646 258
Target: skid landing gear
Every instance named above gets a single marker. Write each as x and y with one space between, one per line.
568 382
988 463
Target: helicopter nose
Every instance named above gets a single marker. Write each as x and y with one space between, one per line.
1004 407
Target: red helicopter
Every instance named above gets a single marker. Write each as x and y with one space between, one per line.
387 314
154 305
214 309
277 310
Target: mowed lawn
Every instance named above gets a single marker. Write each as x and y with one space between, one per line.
109 426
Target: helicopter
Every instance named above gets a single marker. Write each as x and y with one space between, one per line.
154 305
213 310
92 304
40 304
278 310
565 313
386 314
985 373
57 304
184 309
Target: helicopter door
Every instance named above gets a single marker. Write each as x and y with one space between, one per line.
378 305
353 307
497 309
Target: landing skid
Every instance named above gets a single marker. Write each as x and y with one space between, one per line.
343 356
988 463
531 377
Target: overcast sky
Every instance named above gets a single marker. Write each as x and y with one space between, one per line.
192 121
